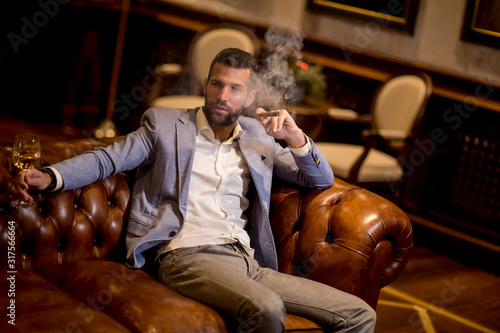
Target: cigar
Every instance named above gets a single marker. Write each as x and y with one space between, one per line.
266 114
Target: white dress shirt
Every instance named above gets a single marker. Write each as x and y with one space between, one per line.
217 192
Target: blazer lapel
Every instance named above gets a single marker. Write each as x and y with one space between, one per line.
185 138
255 161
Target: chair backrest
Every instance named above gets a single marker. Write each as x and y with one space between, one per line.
399 104
208 43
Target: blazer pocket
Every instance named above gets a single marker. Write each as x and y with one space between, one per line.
138 227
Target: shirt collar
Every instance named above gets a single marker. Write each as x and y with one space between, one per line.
203 128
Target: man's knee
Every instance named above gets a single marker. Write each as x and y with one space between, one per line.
369 314
363 318
267 314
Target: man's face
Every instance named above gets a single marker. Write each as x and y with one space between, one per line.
226 94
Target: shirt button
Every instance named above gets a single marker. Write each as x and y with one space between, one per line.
172 233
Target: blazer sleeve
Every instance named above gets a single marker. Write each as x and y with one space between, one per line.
311 170
102 162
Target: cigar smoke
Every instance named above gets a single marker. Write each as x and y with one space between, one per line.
275 78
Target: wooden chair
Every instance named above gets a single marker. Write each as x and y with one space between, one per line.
396 112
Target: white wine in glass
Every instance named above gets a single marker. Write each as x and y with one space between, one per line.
25 155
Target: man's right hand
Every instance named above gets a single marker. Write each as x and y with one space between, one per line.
32 179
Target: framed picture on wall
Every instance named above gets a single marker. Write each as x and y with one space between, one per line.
399 14
482 22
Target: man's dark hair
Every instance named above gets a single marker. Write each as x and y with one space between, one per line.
238 59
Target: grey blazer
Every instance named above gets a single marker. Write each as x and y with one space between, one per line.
163 150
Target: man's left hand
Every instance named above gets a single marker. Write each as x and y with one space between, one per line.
283 127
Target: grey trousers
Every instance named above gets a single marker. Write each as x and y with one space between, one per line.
225 278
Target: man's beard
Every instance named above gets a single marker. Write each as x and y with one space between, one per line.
221 120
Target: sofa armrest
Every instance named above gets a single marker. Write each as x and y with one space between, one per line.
81 224
344 236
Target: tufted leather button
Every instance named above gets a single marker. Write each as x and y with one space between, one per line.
62 245
172 233
109 203
329 238
75 206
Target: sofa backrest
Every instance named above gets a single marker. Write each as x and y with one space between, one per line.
82 224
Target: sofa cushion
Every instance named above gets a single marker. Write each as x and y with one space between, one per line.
133 297
136 300
42 307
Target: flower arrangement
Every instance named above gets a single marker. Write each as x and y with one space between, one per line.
311 77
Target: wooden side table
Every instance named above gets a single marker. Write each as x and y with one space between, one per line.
312 115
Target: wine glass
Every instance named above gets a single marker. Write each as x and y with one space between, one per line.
25 155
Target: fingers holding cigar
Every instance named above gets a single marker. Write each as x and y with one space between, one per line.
281 125
266 114
271 120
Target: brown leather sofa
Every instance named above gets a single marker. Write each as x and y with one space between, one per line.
63 262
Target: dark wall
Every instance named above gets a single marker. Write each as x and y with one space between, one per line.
56 62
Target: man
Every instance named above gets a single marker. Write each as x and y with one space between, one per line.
201 200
